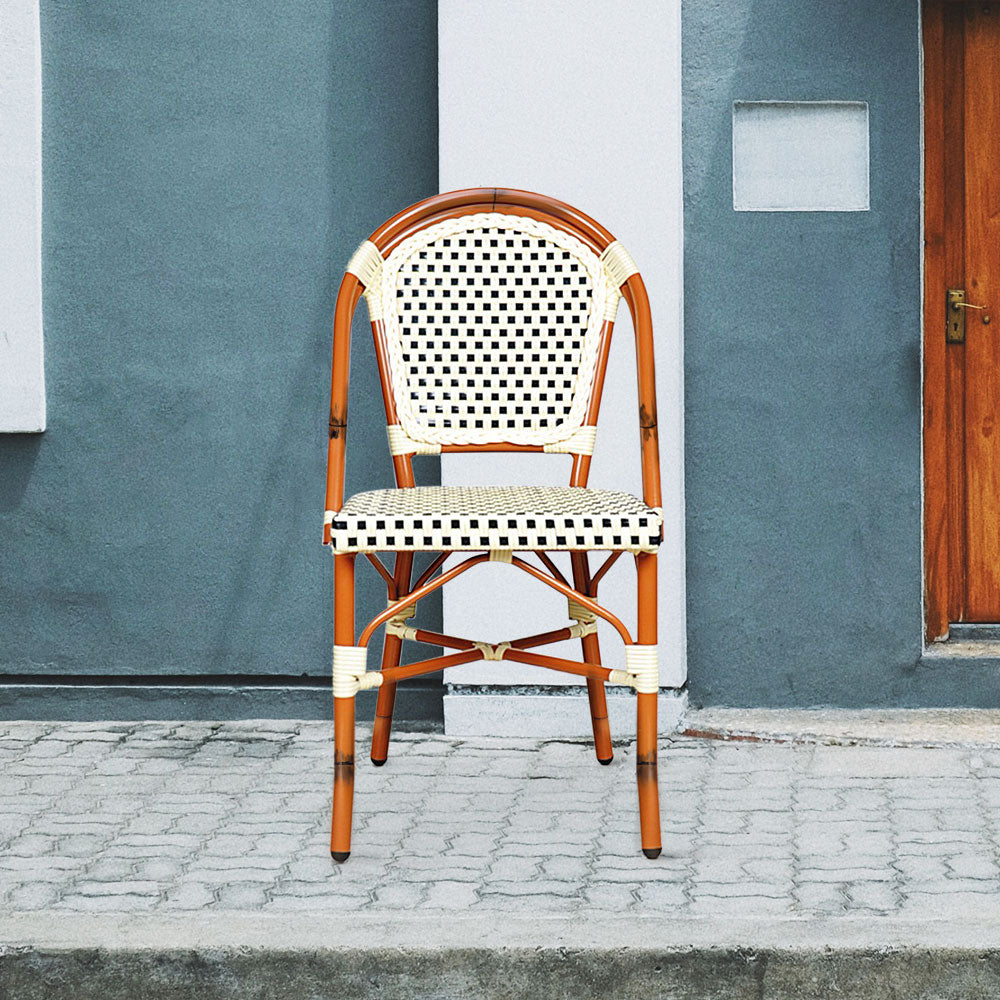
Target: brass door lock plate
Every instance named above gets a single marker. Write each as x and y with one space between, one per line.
955 319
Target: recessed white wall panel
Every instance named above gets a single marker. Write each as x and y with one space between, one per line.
22 379
565 107
800 156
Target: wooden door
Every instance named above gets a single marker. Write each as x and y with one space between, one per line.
962 370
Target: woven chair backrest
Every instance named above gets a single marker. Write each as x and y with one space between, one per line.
491 327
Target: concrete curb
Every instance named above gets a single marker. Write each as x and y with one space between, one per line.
963 728
230 955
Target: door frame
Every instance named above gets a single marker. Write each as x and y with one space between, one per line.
944 364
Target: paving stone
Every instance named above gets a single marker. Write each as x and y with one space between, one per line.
344 891
34 896
445 871
450 895
660 896
947 886
534 887
151 824
90 887
313 904
241 896
155 869
880 896
236 868
921 867
747 888
39 867
111 903
611 896
973 866
111 870
835 875
740 906
820 897
401 895
566 868
32 845
316 867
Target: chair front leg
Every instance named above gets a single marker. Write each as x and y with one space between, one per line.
344 688
644 657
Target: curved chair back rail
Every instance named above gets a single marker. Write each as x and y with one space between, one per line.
492 312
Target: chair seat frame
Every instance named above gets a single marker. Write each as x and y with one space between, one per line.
404 594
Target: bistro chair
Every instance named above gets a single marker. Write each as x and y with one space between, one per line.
492 311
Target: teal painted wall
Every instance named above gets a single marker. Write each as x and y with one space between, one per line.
803 412
208 170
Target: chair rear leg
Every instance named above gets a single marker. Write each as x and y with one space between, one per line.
392 647
598 703
645 751
391 650
592 654
343 713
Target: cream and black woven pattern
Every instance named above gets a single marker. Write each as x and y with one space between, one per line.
492 327
477 518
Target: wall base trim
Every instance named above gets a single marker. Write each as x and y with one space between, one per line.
418 706
504 713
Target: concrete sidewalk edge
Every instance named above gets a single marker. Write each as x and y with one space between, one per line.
433 931
229 956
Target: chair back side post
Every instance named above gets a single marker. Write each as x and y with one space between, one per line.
402 465
580 472
634 292
347 301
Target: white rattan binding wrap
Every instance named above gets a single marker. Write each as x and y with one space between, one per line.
576 610
492 327
366 266
492 650
349 677
618 264
491 518
586 620
642 663
400 444
581 441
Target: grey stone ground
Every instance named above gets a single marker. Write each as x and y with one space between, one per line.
193 816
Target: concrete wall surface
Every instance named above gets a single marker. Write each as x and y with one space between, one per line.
209 168
802 381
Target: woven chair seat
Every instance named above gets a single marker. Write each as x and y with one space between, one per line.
478 518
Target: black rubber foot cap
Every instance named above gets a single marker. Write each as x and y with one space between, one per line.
601 760
379 763
652 852
341 856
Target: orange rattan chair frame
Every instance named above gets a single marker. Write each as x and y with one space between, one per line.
403 593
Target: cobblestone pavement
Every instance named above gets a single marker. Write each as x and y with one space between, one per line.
234 816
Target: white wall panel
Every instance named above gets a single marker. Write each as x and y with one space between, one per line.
22 379
560 98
